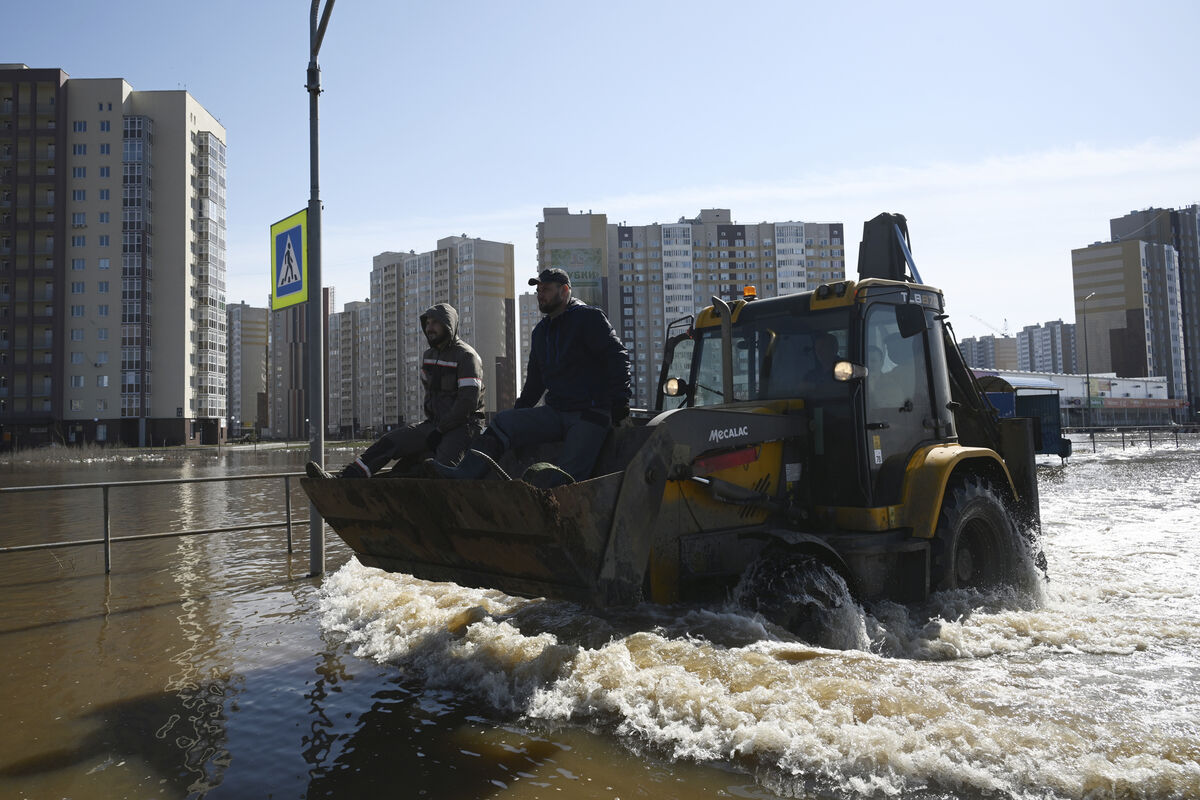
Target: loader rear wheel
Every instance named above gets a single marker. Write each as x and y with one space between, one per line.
795 591
976 544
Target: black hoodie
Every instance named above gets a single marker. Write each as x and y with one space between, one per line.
577 361
451 374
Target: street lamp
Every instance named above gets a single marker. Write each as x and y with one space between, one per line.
1087 366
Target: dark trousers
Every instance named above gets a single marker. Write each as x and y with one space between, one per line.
406 445
581 432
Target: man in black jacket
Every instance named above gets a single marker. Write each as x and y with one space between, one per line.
452 375
581 368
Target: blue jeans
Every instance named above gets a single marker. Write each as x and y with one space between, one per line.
581 432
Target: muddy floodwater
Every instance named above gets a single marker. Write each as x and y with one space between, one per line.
213 666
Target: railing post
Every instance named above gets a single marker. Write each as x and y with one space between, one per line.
287 503
107 534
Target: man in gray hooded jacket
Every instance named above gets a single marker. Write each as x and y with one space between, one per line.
452 375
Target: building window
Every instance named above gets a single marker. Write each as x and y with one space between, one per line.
76 334
105 125
102 334
102 405
103 263
78 241
105 149
79 149
79 218
104 194
102 287
76 405
76 311
78 264
104 240
102 381
76 357
80 126
102 310
102 357
78 172
76 381
79 195
105 172
77 287
104 217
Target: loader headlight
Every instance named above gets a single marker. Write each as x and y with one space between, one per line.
675 387
846 371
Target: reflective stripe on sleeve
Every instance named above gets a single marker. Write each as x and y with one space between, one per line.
470 382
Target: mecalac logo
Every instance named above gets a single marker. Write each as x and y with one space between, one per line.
721 434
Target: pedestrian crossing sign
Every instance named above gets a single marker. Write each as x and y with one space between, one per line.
289 260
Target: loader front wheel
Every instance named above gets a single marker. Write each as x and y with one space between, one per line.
976 544
796 591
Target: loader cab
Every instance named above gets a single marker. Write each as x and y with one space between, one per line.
863 421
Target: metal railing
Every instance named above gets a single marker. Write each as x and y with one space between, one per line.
1131 436
108 539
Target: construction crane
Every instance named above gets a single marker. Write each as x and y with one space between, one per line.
1002 331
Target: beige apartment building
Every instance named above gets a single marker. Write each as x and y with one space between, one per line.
112 262
248 335
647 276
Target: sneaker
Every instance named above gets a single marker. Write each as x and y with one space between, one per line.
313 470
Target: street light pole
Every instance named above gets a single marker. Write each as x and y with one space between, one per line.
1087 412
316 344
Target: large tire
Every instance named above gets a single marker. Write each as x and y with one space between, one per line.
977 544
796 591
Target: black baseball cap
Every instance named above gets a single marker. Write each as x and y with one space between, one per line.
552 275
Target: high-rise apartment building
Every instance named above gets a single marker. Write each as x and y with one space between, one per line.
473 275
288 368
248 335
1179 228
1127 305
112 262
1048 347
990 352
349 349
530 317
647 276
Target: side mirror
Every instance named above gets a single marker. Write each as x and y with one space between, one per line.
676 387
910 319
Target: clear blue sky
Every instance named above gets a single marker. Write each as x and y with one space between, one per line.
1008 134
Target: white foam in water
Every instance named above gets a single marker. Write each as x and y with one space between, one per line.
1086 690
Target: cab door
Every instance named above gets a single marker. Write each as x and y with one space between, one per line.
898 404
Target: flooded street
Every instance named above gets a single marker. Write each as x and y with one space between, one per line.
211 666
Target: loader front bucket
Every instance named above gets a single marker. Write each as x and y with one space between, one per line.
506 535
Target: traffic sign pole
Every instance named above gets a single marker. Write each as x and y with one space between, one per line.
316 311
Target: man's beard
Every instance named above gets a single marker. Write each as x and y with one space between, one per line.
550 306
436 340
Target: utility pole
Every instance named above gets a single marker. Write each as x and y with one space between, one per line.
316 338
